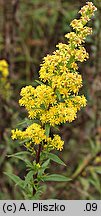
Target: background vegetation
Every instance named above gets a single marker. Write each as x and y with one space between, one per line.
28 31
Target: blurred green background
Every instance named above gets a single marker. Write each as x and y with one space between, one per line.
29 30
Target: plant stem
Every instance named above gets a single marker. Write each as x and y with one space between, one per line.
37 161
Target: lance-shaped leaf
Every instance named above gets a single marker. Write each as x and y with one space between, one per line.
43 167
16 179
56 159
56 177
28 178
47 129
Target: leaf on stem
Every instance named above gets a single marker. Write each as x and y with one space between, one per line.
15 178
47 129
56 159
56 177
28 178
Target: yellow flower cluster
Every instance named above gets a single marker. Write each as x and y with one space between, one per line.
4 84
86 13
38 100
57 101
34 135
4 68
56 143
63 112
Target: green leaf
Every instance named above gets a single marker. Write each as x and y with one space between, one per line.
98 169
28 178
38 193
58 94
56 128
56 177
43 167
39 82
96 184
92 144
21 157
46 163
28 164
24 141
95 180
27 122
47 129
22 153
43 106
15 178
22 122
55 158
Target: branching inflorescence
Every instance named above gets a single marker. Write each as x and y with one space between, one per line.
56 99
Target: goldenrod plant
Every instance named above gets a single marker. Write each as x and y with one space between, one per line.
55 101
4 84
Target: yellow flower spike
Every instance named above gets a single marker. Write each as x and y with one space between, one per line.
57 100
88 10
